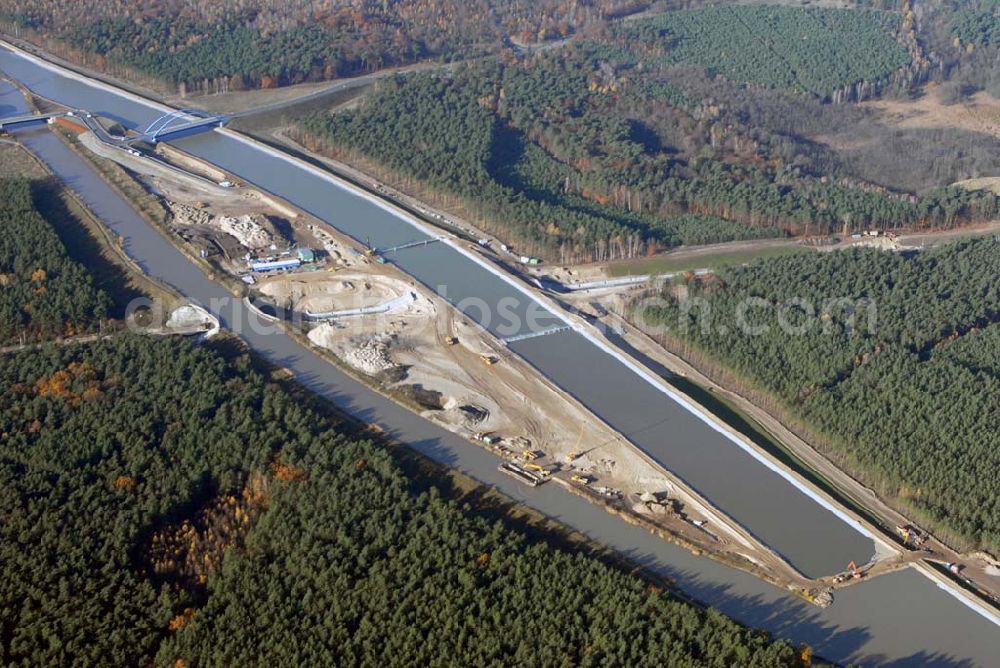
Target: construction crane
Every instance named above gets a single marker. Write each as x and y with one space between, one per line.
575 452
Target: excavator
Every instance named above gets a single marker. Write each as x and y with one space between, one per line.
542 471
489 360
372 253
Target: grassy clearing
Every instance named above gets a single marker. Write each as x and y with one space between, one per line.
15 161
663 264
991 183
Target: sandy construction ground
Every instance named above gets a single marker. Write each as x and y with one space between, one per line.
431 353
451 370
343 290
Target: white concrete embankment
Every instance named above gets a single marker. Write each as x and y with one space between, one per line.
387 307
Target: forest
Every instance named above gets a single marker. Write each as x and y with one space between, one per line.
816 51
889 358
44 294
443 132
217 47
166 504
594 152
978 23
961 39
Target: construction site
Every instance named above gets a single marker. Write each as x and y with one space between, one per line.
350 301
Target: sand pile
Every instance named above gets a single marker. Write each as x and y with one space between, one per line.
253 231
367 354
371 355
189 215
326 240
248 230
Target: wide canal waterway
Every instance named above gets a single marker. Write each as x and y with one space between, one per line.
901 619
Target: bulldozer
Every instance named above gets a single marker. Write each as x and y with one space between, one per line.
581 479
451 340
489 360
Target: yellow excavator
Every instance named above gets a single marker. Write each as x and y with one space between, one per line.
489 360
544 472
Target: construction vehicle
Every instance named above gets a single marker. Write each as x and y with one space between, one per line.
529 455
544 472
521 474
488 439
911 536
575 452
581 479
451 340
489 360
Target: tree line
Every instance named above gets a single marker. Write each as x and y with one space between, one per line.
443 131
576 152
44 294
217 47
127 463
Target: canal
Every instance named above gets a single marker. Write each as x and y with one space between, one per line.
814 539
897 618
